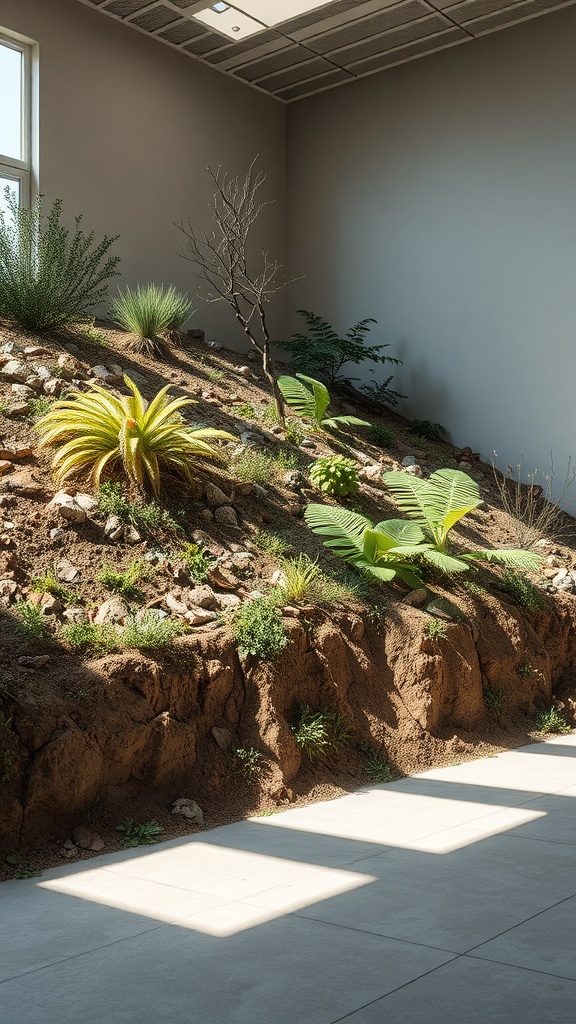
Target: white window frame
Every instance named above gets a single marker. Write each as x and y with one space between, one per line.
22 170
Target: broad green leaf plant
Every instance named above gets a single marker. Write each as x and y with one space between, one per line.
396 547
310 399
98 430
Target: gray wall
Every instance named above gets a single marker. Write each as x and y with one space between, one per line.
440 198
127 127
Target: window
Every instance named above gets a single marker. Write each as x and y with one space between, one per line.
15 120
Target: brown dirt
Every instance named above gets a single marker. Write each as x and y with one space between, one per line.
93 741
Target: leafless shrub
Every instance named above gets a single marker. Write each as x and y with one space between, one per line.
535 511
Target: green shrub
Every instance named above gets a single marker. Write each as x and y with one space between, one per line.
380 435
151 632
273 542
495 702
48 584
245 410
91 638
376 766
33 624
523 591
286 461
197 562
38 407
49 277
305 581
436 629
149 313
294 432
319 733
426 430
149 517
259 629
552 719
334 474
139 834
250 762
124 583
253 465
321 352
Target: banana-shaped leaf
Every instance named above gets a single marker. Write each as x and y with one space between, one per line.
439 502
446 563
335 422
398 531
344 529
507 556
305 396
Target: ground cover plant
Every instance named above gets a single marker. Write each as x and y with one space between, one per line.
99 430
150 313
150 632
124 582
50 277
259 629
335 474
310 399
250 763
91 638
319 733
380 435
523 591
139 833
552 719
33 624
376 766
149 517
426 429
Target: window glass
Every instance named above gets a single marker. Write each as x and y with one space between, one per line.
11 102
14 190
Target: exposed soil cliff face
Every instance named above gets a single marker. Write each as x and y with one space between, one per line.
128 730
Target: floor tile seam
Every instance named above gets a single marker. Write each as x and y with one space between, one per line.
538 839
406 984
518 967
366 931
526 920
224 900
148 881
85 952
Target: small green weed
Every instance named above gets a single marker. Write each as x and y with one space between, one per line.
91 638
151 633
302 579
523 591
33 624
380 435
273 542
436 629
5 691
214 375
376 767
294 432
259 629
48 584
89 332
245 410
197 562
495 702
38 407
334 474
26 871
148 517
250 762
524 669
552 719
286 461
426 429
319 733
124 583
253 465
139 834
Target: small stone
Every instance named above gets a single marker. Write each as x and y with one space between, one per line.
54 387
215 496
8 592
294 479
35 382
291 611
15 370
294 509
202 597
22 391
66 572
307 443
51 605
86 839
186 808
17 408
199 616
131 535
416 597
114 528
244 488
43 371
253 357
244 371
107 374
222 736
247 436
409 460
549 574
5 466
113 610
57 533
219 577
23 483
145 614
560 575
36 350
207 514
278 578
75 615
226 516
234 397
6 541
175 604
137 378
87 502
371 473
68 507
229 601
68 850
34 661
414 470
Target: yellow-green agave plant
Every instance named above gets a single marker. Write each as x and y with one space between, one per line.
96 430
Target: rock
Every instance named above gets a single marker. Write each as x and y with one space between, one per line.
416 597
22 391
253 357
226 516
222 736
291 611
244 371
414 470
219 577
66 572
202 597
247 436
215 497
15 451
549 574
186 808
8 592
5 466
199 616
229 601
86 839
6 541
409 460
23 483
294 479
145 614
207 515
36 350
131 535
244 488
233 397
113 610
544 543
42 371
561 575
68 507
34 661
195 334
57 533
114 528
75 614
54 387
175 604
51 605
371 473
87 502
137 378
15 370
68 850
278 578
35 382
17 408
307 443
293 508
108 374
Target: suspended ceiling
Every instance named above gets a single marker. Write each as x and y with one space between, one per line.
338 42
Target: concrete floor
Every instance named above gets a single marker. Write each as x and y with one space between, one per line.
449 897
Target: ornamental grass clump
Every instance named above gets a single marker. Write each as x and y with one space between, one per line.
150 313
99 431
50 276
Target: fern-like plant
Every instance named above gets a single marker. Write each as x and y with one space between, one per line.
149 314
98 430
310 398
436 505
322 352
334 474
49 276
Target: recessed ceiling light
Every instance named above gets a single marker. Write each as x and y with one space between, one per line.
274 12
243 18
220 8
